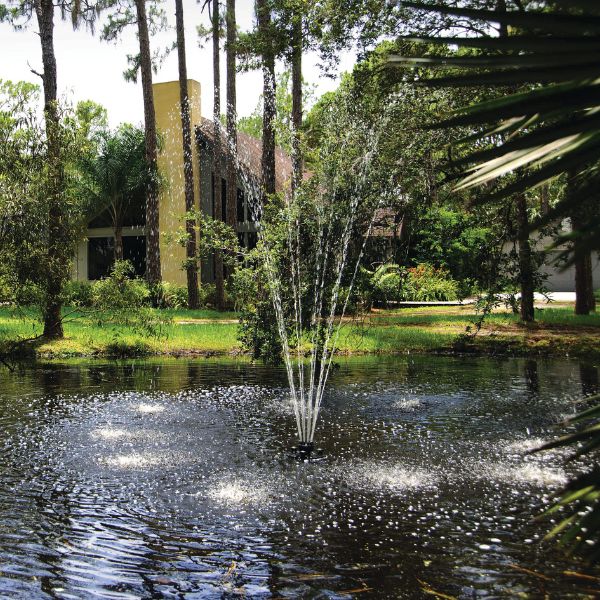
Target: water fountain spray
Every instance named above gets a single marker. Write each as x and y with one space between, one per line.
317 309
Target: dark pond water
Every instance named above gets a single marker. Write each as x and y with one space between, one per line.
170 479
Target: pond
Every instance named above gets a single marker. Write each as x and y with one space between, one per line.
171 479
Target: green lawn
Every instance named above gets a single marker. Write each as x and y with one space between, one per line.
556 331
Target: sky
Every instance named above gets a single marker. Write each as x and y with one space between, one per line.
89 68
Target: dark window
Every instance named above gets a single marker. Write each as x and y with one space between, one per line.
134 250
134 214
241 239
240 206
101 255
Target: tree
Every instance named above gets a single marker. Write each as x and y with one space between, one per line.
188 167
133 12
231 217
267 55
25 178
20 12
116 177
217 155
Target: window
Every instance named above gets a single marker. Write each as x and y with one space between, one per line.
134 250
101 254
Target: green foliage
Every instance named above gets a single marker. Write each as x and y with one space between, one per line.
119 291
423 283
455 240
27 194
387 282
78 293
257 330
578 505
173 296
543 131
253 124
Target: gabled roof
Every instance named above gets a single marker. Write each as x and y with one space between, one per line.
250 153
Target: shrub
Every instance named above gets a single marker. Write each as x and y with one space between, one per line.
78 293
121 349
387 283
119 291
208 295
173 296
425 283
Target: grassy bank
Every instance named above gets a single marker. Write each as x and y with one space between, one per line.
557 331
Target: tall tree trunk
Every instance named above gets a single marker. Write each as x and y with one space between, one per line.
297 44
525 261
263 13
57 266
153 274
218 206
188 165
231 116
584 279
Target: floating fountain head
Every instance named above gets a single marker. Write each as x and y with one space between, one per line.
306 451
311 243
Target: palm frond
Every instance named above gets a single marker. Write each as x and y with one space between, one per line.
550 128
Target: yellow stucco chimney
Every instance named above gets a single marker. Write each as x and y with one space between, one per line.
170 165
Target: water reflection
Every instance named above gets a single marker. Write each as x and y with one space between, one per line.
172 479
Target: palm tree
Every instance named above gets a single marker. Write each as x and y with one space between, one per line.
116 178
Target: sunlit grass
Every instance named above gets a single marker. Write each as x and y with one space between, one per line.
89 333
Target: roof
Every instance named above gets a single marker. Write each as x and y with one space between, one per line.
250 153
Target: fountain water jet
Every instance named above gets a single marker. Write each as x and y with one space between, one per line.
306 288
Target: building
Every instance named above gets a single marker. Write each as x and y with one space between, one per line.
95 254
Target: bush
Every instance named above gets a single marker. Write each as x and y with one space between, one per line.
122 349
388 282
78 293
425 283
119 291
173 296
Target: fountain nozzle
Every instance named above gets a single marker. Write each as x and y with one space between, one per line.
306 451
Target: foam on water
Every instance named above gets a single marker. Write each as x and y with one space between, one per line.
393 478
236 491
108 433
529 473
408 404
145 407
524 446
133 460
